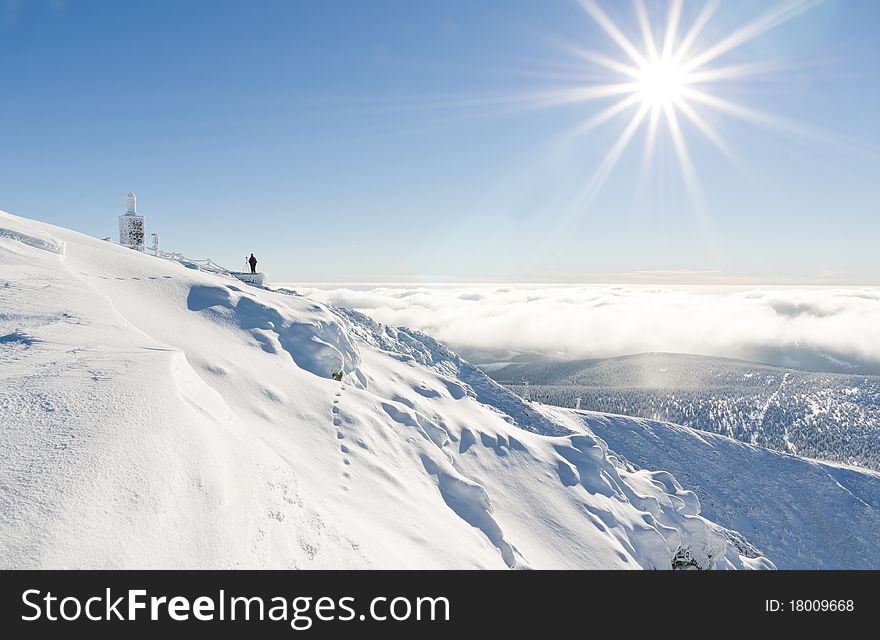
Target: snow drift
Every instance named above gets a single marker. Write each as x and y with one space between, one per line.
158 416
801 513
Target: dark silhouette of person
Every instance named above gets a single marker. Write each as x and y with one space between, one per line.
253 262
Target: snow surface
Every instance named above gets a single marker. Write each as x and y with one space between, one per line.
154 415
803 514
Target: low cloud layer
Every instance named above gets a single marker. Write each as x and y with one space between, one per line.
600 321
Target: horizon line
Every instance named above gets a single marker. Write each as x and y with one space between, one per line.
575 283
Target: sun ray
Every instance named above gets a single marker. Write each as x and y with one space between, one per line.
671 28
605 61
716 139
576 95
521 101
612 30
778 125
706 129
600 175
696 29
734 72
647 31
604 116
524 101
692 182
651 139
650 143
768 20
584 200
548 75
586 126
740 111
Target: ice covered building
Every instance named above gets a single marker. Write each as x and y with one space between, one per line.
132 234
131 226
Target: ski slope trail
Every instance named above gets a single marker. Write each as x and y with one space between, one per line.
158 416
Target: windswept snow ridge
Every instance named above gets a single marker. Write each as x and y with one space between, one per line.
42 241
320 346
803 514
157 416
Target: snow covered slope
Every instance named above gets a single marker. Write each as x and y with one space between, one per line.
801 513
157 416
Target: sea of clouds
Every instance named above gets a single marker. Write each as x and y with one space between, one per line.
586 321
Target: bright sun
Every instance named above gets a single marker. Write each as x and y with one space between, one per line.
667 77
661 83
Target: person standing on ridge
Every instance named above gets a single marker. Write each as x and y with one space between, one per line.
253 262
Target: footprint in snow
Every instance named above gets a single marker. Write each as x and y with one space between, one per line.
337 424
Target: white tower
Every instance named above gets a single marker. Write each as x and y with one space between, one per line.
131 226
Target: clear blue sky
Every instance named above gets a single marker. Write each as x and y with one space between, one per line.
385 140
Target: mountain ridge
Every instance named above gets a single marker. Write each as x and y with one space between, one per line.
157 416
